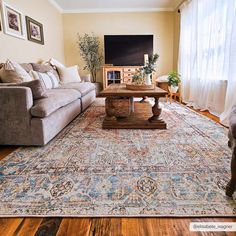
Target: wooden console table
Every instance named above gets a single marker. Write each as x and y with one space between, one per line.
123 113
118 74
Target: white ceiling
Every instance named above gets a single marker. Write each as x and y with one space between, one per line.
73 6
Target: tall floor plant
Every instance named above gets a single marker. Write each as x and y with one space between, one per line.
89 47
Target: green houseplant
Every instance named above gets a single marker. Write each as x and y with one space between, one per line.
173 81
89 47
151 64
150 67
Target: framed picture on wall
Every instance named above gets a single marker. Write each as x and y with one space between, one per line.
13 21
34 30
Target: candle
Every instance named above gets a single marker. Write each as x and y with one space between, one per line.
145 59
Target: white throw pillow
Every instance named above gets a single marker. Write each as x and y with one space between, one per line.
20 71
49 79
163 78
69 74
55 63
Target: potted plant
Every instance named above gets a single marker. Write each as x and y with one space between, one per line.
173 81
150 67
89 47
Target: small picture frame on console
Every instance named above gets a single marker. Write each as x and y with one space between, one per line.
34 30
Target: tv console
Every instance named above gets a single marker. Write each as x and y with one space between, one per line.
118 74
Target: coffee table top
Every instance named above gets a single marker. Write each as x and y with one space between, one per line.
121 90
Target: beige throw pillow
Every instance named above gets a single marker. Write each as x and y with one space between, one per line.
69 74
9 76
12 72
55 63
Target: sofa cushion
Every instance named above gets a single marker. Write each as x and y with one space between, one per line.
84 87
56 99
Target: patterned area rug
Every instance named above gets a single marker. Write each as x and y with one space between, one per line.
88 171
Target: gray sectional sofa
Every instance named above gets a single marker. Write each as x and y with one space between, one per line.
24 121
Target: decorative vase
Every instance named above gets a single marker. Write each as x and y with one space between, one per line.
173 89
148 79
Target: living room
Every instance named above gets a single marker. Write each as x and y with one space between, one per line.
83 152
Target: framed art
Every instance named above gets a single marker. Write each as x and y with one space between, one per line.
12 21
34 30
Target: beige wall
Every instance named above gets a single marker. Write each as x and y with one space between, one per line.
27 51
161 24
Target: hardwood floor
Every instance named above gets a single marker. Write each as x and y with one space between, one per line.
104 226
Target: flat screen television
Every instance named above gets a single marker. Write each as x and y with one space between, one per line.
127 50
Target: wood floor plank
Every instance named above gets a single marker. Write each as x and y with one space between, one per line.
132 227
115 229
8 226
48 227
100 227
74 227
5 150
29 226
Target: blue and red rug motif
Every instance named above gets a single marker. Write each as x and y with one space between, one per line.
88 171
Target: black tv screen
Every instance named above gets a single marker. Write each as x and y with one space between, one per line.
127 50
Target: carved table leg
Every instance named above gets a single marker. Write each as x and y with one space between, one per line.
110 109
156 111
231 186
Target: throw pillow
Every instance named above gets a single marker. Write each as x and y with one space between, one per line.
69 74
41 68
9 76
37 87
21 72
12 72
55 63
27 67
163 78
49 79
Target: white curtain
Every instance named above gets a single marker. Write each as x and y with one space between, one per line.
230 100
204 52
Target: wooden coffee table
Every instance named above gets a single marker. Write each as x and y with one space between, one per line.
122 112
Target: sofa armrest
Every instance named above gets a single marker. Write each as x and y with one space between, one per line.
19 98
15 117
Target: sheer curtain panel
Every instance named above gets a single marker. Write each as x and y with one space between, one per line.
205 52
